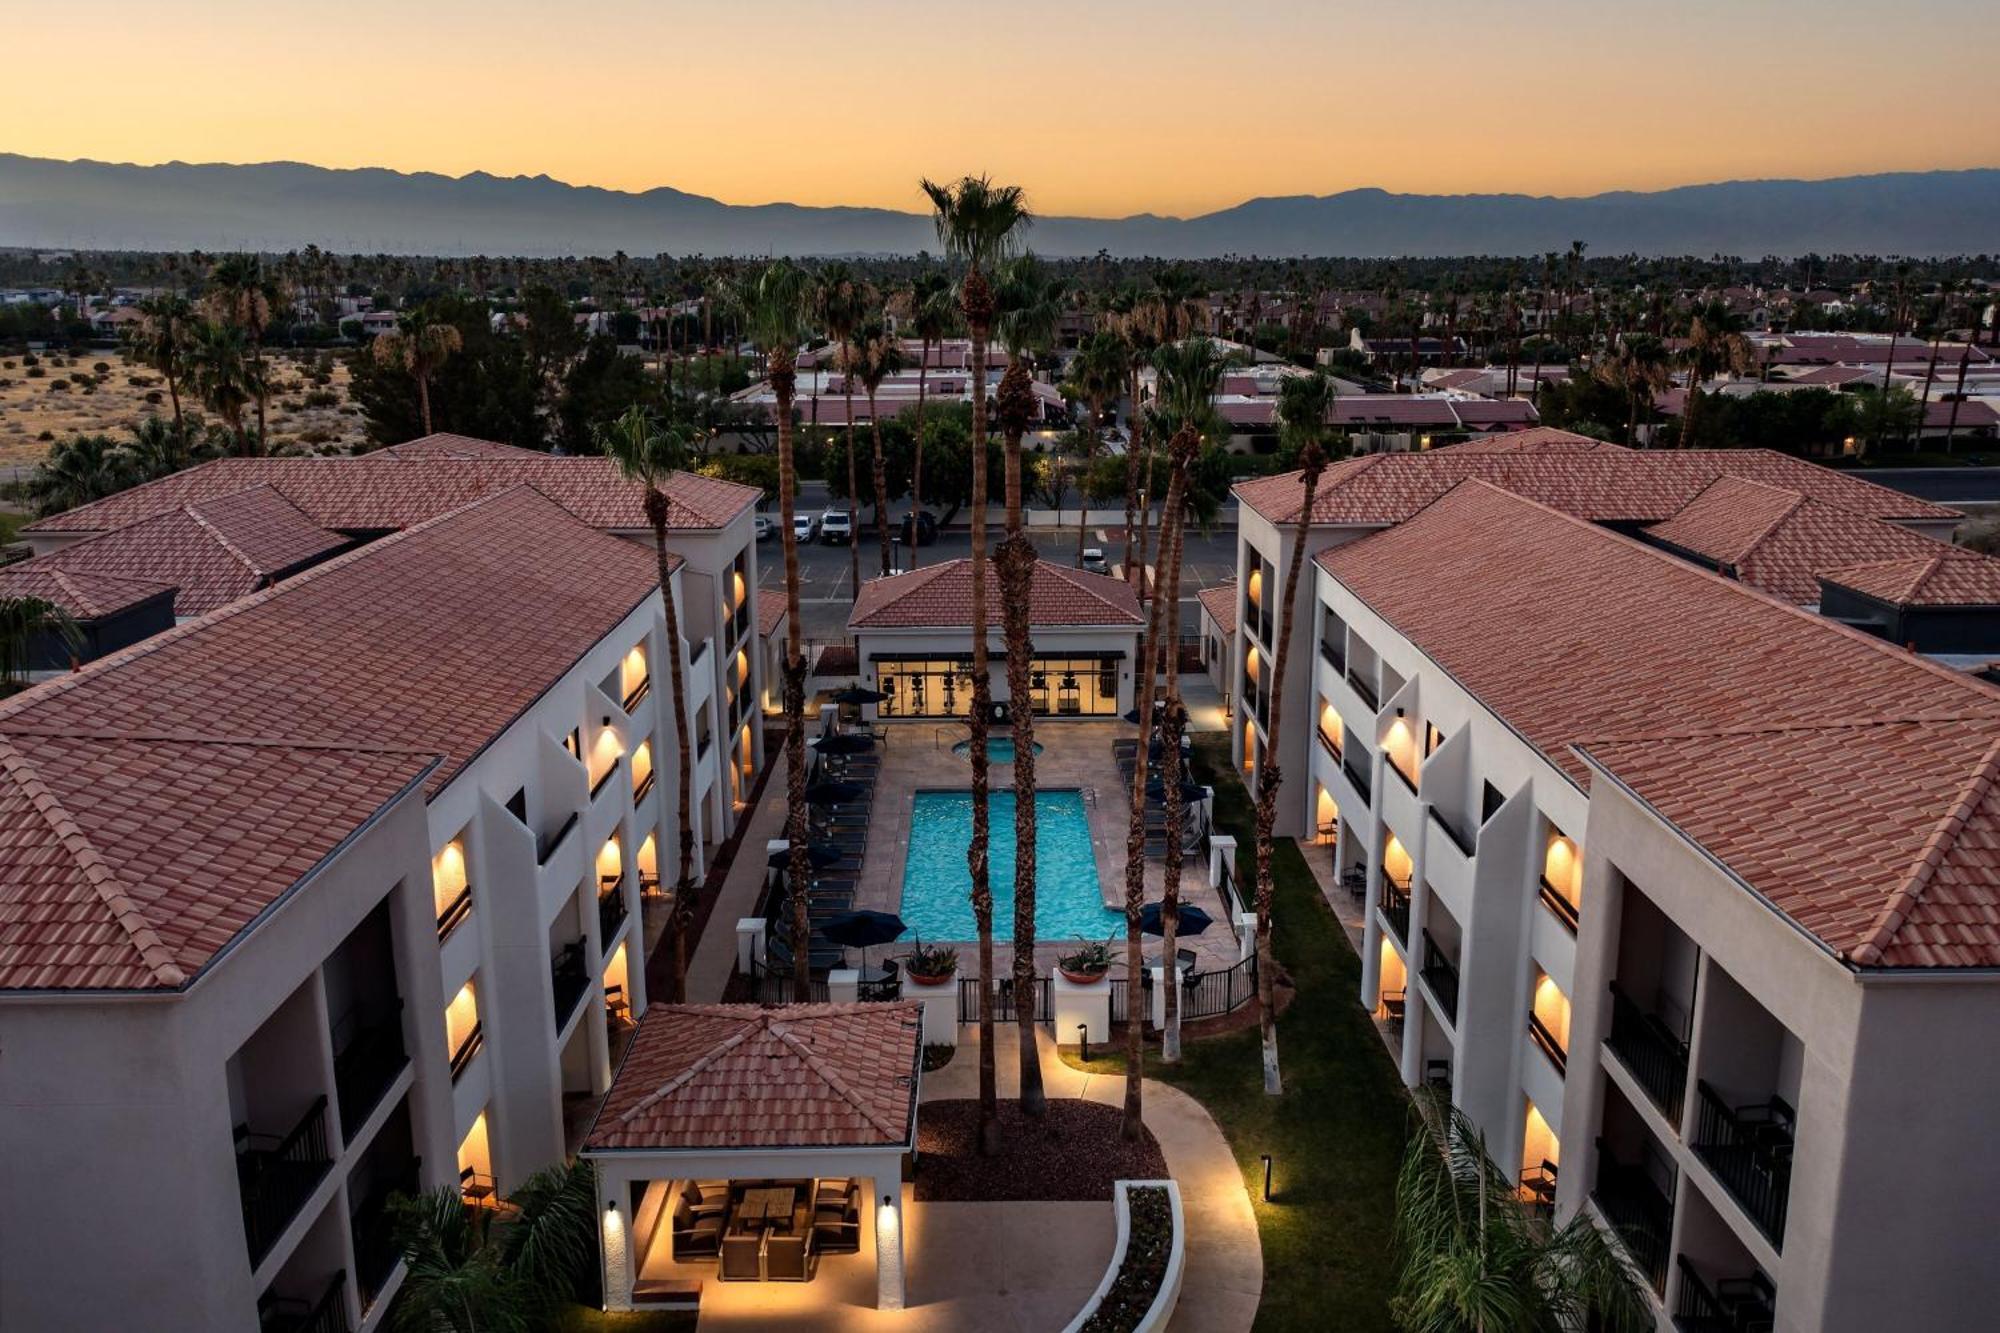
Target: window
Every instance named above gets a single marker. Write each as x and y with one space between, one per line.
1490 801
1432 739
517 805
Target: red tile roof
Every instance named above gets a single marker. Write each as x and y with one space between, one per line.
1534 440
770 613
212 551
737 1076
444 444
380 492
1630 486
1219 600
1781 541
940 596
1826 769
84 596
1942 576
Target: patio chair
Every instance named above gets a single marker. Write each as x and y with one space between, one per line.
706 1198
788 1256
696 1237
832 1189
742 1257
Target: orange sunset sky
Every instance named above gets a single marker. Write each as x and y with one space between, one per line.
1100 107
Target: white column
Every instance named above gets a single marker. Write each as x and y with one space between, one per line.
888 1241
1080 1004
843 986
940 1008
749 943
616 1230
1246 935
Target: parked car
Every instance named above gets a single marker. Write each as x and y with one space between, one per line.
836 527
1093 560
919 528
804 527
763 527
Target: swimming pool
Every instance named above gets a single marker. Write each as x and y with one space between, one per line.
937 885
999 750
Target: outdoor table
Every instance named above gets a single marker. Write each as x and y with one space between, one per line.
770 1204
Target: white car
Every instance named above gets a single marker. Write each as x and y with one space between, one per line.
804 527
1093 559
763 527
836 527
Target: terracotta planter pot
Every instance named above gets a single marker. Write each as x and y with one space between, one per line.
1082 978
922 980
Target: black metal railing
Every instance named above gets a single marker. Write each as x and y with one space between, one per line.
700 651
645 785
546 843
1750 1152
1538 1190
1450 830
1334 656
455 911
1365 690
701 746
604 779
610 914
1638 1211
1697 1309
1328 743
275 1175
1396 907
367 1065
1211 994
1545 1041
328 1314
1656 1057
1358 778
1409 783
639 692
1003 1000
468 1048
1252 698
1226 889
571 979
773 987
1440 973
1564 909
376 1253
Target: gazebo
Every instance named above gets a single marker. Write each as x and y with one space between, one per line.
739 1143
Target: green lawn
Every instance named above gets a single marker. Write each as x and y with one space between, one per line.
1336 1136
584 1319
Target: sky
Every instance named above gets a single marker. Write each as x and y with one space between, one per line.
1097 107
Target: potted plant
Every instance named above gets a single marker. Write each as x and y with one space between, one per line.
930 964
1086 965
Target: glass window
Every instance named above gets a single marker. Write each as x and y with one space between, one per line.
1075 686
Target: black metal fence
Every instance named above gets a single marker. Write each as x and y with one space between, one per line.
1203 994
1004 1010
1752 1155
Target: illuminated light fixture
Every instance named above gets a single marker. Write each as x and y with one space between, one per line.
611 1206
1399 712
1267 1176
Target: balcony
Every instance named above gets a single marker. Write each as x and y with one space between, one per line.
1564 909
455 912
376 1253
1545 1042
1396 908
1365 690
700 651
366 1066
1328 743
547 843
1409 783
645 786
1732 1305
638 694
597 787
610 913
1335 658
1358 778
1655 1057
1450 831
1637 1210
1749 1148
461 1058
1439 972
274 1176
701 746
571 978
328 1314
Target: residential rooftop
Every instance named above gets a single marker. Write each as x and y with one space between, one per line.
940 596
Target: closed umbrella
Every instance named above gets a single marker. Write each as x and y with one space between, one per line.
821 854
858 694
861 928
848 743
835 793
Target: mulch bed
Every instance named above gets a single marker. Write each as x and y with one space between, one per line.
1073 1154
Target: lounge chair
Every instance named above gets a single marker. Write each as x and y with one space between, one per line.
706 1198
788 1255
742 1257
695 1237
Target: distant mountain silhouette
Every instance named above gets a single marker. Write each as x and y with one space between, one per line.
286 205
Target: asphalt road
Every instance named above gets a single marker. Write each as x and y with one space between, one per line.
1945 485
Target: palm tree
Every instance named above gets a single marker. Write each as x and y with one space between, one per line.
648 455
487 1270
421 347
1638 369
875 355
977 223
242 294
225 378
156 450
1097 375
1716 346
77 471
24 623
776 304
1030 304
930 307
844 303
161 341
1174 309
1477 1259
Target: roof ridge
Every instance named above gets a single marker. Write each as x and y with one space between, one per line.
1849 723
195 738
832 1078
750 1026
1896 911
1792 506
208 525
103 880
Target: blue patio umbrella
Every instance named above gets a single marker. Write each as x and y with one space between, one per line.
1189 920
858 694
1131 715
861 928
835 793
821 854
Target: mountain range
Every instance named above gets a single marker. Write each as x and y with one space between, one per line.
278 206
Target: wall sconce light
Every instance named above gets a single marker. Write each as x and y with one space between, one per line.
1267 1176
607 718
611 1205
1399 712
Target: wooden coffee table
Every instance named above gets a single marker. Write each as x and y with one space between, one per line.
770 1204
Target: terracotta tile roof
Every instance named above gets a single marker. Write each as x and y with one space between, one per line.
84 596
738 1076
1781 541
1534 440
1942 576
1219 600
770 614
380 492
1627 486
212 551
444 444
1757 728
940 595
264 725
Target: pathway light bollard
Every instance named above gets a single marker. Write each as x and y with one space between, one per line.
1267 1176
1083 1040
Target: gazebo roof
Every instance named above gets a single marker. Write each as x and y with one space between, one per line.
728 1076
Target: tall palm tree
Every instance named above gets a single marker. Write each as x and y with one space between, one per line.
1638 369
161 341
1174 309
420 346
977 225
646 454
844 303
929 306
227 380
875 356
25 622
1096 375
241 293
156 450
1716 346
1030 303
1477 1259
777 304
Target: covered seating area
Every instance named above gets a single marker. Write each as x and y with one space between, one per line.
740 1144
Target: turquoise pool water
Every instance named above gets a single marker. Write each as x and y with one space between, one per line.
999 750
937 886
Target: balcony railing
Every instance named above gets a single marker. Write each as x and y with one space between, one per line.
610 913
1252 697
604 780
376 1253
1564 909
1334 656
1365 690
1450 830
701 746
700 651
1656 1057
1328 743
366 1066
638 694
456 911
571 980
1545 1041
328 1314
1732 1305
1358 778
546 843
275 1175
1440 974
1409 783
462 1057
1396 907
1749 1148
645 785
1638 1211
